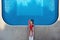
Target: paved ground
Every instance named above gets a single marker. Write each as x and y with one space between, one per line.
41 33
48 33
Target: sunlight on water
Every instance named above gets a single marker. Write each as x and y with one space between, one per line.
51 5
39 2
23 2
43 3
46 3
9 5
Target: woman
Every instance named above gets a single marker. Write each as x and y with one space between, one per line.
31 29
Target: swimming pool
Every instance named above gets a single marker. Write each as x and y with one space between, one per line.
18 12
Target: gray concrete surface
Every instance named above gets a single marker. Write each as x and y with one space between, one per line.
13 33
48 33
21 33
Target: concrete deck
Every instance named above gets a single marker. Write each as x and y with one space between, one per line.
21 33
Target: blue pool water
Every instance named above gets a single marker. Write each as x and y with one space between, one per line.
18 12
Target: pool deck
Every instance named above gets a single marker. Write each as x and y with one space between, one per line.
21 33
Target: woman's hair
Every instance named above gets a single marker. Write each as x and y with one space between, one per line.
32 21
